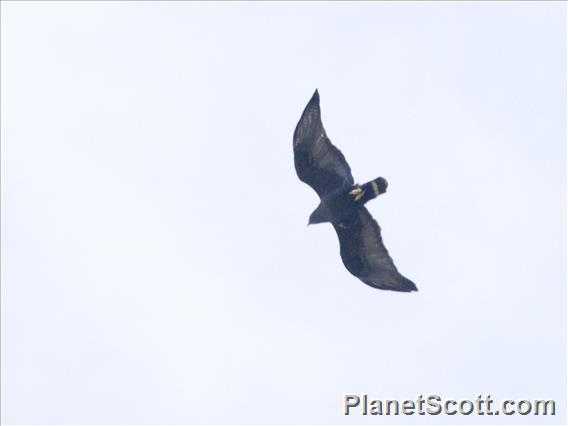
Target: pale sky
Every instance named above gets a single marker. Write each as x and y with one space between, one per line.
156 264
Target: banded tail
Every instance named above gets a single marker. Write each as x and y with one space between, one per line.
370 190
377 186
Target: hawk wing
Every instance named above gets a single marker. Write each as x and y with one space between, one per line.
364 254
318 162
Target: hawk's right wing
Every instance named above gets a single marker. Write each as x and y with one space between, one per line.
364 254
318 162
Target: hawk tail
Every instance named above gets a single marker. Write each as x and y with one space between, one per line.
377 186
372 190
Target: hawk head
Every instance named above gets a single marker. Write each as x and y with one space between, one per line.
319 215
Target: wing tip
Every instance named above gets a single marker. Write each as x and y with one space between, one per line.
406 285
315 99
413 288
403 285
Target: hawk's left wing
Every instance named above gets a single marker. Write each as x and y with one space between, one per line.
318 162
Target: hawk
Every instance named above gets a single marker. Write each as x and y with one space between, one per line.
342 203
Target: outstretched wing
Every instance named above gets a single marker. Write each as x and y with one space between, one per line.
364 254
318 163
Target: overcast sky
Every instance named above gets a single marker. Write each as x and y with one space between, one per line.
156 264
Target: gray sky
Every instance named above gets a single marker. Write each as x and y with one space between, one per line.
156 264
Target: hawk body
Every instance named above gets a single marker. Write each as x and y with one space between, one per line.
342 203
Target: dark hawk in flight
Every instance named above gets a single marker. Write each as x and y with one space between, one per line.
322 166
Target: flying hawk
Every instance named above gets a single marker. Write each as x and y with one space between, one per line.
322 166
